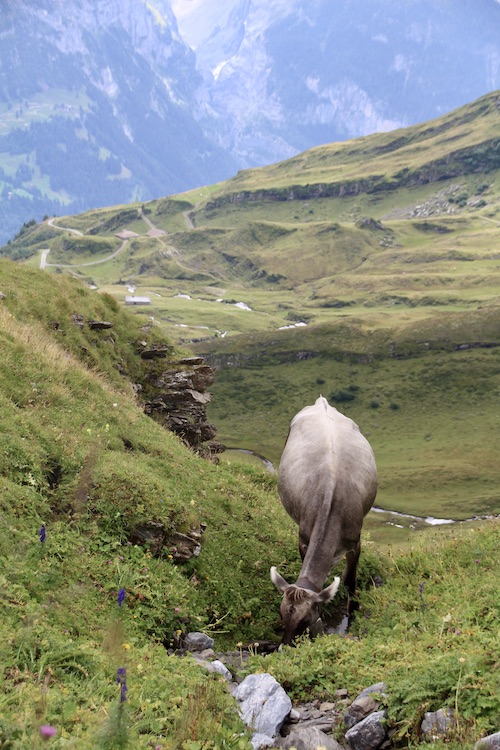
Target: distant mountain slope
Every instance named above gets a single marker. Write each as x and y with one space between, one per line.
295 73
107 102
96 108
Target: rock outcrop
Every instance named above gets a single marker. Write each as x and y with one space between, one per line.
178 397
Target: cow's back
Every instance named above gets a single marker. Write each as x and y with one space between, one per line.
327 466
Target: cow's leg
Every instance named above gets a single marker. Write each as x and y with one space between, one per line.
349 575
303 544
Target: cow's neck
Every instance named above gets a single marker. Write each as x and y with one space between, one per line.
321 555
304 582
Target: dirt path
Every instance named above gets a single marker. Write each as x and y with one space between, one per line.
46 251
50 222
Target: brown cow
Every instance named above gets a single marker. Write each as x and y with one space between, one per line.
327 482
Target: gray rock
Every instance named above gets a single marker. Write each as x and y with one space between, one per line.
491 742
261 740
207 653
368 734
364 704
264 705
437 723
215 666
198 641
359 710
379 687
308 739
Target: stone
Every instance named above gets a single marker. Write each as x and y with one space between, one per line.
261 740
207 653
379 687
359 710
368 734
364 704
264 705
191 361
309 738
197 641
155 351
491 742
437 723
215 666
99 325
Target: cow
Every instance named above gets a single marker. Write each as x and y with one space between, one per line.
327 482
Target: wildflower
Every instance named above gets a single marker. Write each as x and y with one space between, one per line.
121 679
47 731
121 597
176 610
126 646
42 533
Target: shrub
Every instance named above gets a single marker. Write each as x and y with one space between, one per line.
342 396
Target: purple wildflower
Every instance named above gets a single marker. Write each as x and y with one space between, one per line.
121 597
42 533
47 731
121 679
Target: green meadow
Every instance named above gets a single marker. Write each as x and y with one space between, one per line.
366 271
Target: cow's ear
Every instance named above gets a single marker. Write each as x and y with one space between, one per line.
329 592
278 580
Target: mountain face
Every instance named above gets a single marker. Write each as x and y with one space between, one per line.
96 108
109 101
296 73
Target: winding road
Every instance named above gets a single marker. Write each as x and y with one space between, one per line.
46 251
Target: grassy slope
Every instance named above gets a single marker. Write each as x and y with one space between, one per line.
368 293
77 454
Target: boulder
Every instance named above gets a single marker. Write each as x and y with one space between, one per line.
261 740
264 705
359 710
368 734
436 724
364 704
215 666
99 325
491 742
198 641
308 738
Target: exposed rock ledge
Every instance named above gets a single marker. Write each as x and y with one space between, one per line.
178 401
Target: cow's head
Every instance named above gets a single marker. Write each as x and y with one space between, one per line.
301 608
